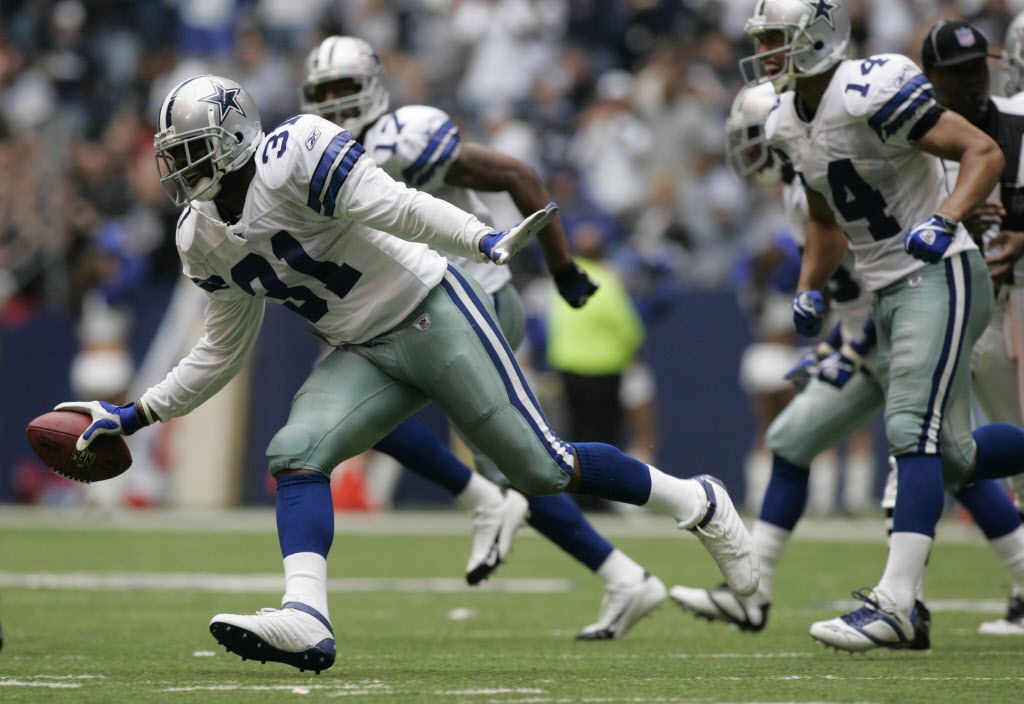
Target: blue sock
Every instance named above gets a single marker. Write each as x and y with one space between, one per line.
785 497
417 447
990 507
920 496
560 520
305 514
1000 451
608 473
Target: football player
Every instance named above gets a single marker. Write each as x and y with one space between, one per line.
840 396
864 135
421 146
954 56
304 217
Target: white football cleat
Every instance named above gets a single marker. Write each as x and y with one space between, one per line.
877 624
1012 624
296 634
621 608
720 604
722 532
494 529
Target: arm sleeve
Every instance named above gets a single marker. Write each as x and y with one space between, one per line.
231 327
428 144
376 200
901 104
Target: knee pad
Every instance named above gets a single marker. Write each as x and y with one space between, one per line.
903 431
787 442
291 447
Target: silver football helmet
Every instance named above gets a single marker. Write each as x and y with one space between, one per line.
814 37
1013 56
208 127
337 58
746 144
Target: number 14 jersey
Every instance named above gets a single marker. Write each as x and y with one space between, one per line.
857 151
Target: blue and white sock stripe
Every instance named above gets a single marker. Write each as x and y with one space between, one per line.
501 355
958 281
438 150
901 107
323 168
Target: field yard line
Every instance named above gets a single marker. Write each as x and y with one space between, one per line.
266 583
500 690
407 522
8 682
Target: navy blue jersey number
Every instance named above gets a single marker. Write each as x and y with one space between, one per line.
855 199
339 280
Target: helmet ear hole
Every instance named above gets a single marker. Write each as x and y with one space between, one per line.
239 136
819 45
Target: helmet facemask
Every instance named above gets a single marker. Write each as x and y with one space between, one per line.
366 104
796 48
192 165
749 156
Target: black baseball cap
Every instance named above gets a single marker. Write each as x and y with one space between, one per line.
952 42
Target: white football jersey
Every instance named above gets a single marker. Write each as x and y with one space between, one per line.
858 153
849 296
324 232
417 144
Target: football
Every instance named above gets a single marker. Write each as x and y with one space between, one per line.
53 435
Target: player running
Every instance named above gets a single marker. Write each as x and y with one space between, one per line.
863 135
421 146
304 217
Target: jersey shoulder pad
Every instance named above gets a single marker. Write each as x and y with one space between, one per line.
870 84
426 142
308 158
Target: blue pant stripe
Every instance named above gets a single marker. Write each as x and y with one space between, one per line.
942 378
504 362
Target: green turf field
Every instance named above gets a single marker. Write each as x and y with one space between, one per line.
146 645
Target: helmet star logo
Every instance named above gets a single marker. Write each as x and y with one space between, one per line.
823 10
226 100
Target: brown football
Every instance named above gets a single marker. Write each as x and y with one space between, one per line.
53 435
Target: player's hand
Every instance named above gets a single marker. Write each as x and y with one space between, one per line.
808 312
839 367
929 240
986 215
107 419
499 247
573 284
801 373
1011 248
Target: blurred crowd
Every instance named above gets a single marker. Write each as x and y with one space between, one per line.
619 103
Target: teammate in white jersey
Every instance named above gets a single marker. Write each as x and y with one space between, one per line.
864 136
421 146
302 216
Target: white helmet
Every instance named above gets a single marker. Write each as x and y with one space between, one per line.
1013 56
337 58
209 126
746 144
816 34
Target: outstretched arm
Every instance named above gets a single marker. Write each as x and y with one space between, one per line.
481 168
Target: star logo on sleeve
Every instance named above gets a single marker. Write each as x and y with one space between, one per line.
823 10
226 100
